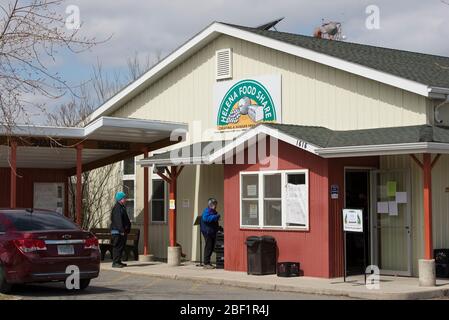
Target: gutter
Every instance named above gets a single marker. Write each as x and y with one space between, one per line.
384 149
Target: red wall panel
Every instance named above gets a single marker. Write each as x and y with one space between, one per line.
336 177
25 181
310 248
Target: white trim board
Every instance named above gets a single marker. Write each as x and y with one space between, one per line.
164 127
216 29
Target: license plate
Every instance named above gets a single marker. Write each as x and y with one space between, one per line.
65 250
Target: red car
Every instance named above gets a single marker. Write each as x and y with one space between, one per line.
39 245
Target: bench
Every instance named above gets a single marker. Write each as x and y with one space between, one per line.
104 236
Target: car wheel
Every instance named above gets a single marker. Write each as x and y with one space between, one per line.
84 283
4 286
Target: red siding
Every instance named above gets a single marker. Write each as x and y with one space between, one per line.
310 248
25 181
319 250
336 177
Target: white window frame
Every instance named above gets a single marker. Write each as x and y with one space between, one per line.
155 177
130 177
260 199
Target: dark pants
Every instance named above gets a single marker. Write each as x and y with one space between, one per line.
118 245
208 248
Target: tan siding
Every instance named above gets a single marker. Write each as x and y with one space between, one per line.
312 94
440 203
210 184
405 162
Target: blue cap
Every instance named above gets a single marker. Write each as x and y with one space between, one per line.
120 195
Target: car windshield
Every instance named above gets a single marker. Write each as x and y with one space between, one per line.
36 221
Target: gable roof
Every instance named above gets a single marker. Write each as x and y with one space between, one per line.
362 142
327 138
423 74
428 69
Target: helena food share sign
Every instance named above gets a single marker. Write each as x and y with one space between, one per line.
247 102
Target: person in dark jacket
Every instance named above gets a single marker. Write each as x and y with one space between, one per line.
209 227
120 227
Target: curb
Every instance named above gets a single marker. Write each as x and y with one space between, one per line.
429 294
5 297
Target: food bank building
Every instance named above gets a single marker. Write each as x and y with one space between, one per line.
355 126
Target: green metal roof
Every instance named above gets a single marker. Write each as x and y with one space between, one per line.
326 138
431 70
321 137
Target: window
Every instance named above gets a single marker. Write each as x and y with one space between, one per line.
158 202
250 202
276 199
272 200
129 185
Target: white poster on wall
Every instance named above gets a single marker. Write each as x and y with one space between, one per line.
49 196
296 204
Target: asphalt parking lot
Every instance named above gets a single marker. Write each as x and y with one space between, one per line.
112 285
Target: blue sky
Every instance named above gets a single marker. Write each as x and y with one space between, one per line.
152 26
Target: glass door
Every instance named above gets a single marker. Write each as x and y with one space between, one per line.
391 222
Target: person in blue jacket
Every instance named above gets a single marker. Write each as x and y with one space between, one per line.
209 227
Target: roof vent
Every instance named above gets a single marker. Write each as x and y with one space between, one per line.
224 64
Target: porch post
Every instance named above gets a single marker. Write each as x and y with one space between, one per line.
427 175
427 276
146 257
66 197
174 251
13 169
172 208
79 186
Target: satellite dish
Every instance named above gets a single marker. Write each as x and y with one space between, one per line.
269 25
329 30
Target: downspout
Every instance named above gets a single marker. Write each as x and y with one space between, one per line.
436 110
441 97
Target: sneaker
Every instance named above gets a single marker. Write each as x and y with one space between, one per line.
209 266
123 264
116 265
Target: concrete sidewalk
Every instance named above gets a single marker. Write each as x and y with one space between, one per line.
400 288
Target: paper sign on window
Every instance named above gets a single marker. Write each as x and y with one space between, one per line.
391 188
253 211
251 190
296 204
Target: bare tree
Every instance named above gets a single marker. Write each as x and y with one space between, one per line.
32 33
99 185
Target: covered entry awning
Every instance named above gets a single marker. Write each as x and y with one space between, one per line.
204 152
74 150
104 141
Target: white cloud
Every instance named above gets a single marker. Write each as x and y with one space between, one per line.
157 25
147 27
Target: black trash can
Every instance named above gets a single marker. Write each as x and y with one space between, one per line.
441 262
261 255
219 250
